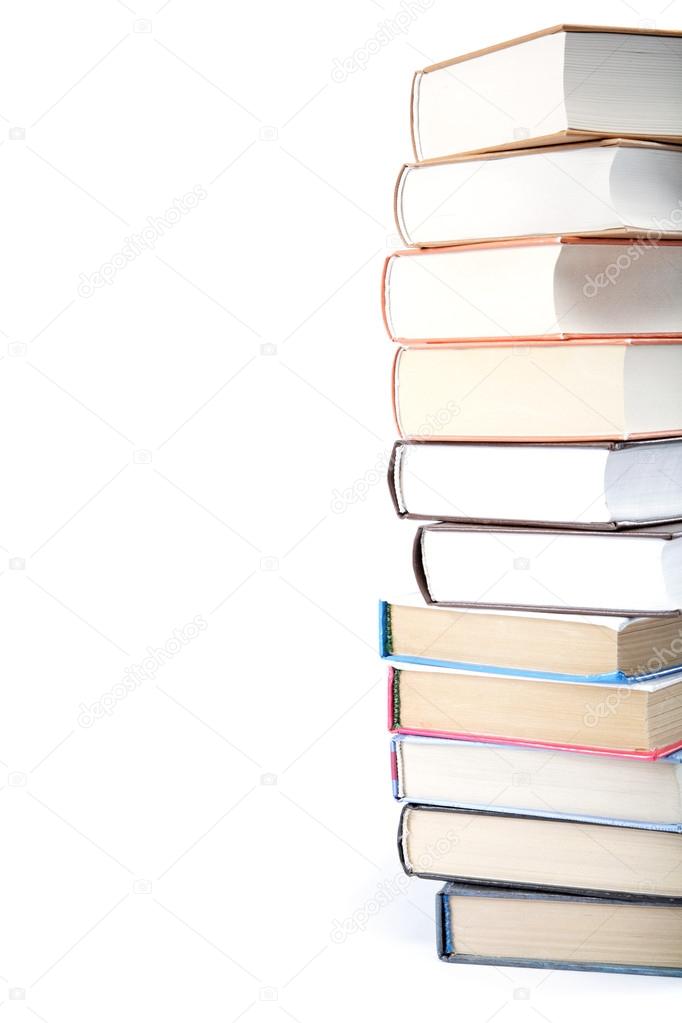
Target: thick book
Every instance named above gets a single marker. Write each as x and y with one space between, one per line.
511 927
516 779
613 187
638 572
556 392
589 486
617 650
563 84
538 288
446 843
642 720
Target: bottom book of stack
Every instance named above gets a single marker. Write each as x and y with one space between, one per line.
512 927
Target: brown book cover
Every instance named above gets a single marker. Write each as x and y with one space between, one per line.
562 137
546 150
670 532
510 243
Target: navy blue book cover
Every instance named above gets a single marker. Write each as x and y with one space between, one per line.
652 930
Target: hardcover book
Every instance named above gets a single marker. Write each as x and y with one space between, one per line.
638 572
643 719
511 927
566 83
539 853
585 648
516 779
589 287
559 392
615 187
595 486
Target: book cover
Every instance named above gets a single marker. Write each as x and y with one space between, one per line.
660 917
387 653
502 848
480 781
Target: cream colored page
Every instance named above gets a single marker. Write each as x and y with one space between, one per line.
560 782
543 391
545 852
567 931
588 646
521 709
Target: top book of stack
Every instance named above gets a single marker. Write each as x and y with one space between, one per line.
568 83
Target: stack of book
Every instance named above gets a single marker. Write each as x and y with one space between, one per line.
535 697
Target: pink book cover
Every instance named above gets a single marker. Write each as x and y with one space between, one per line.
518 243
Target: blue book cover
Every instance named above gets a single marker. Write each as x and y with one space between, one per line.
655 669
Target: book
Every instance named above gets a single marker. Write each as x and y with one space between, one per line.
611 485
568 82
557 392
576 648
564 784
643 719
510 927
638 572
587 648
612 187
538 288
484 847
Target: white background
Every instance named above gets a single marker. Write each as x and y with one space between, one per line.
191 854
